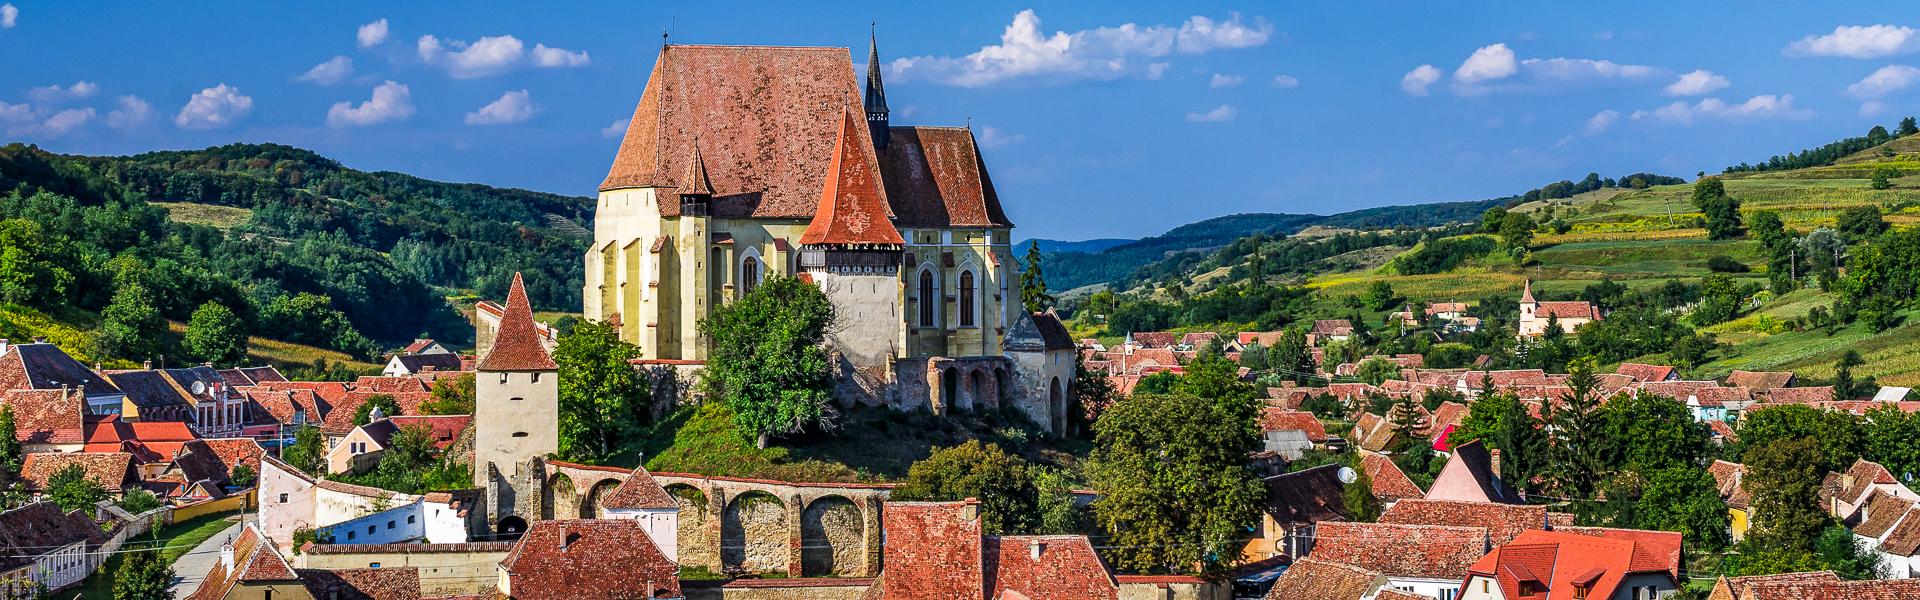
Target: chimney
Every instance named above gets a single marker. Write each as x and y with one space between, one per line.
147 364
39 339
1035 548
1495 453
226 556
4 345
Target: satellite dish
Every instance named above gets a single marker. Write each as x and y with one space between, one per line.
199 387
1347 475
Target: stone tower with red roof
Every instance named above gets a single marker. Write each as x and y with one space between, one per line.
516 414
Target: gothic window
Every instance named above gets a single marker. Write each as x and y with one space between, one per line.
926 299
966 299
749 274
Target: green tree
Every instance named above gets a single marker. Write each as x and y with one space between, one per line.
1846 556
767 360
1379 296
241 476
1722 211
33 265
1522 441
1648 433
139 500
1492 219
1058 512
1845 386
451 396
1578 449
1375 370
216 335
1684 499
1362 506
131 325
604 402
1784 478
308 452
1907 127
1093 393
1836 434
1033 282
12 456
1009 499
385 402
1516 231
1861 223
1720 300
1178 463
70 488
1290 358
143 576
1215 378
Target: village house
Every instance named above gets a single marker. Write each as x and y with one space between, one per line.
251 568
1290 433
1569 315
425 346
361 448
112 471
1295 503
153 444
1315 579
355 514
1429 560
41 546
1329 330
1472 474
1727 477
1555 565
641 499
414 364
240 377
43 366
1822 585
587 558
465 569
48 420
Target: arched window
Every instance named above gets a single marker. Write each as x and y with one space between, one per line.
749 274
926 299
966 298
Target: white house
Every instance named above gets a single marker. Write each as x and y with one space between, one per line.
642 499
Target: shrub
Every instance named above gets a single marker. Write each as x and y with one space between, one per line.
1725 264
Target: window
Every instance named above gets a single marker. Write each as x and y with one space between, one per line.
516 399
519 434
409 519
749 274
283 498
349 535
371 529
503 378
373 565
389 524
966 298
927 299
536 378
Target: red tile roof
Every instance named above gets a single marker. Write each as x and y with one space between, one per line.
1278 419
935 176
1422 551
1882 510
516 345
1560 561
112 470
1817 586
47 416
852 210
279 405
1657 550
1062 567
1502 521
390 583
1823 393
1334 327
589 558
1389 482
1153 339
933 550
1644 372
639 492
1568 309
1760 379
1313 579
380 383
255 560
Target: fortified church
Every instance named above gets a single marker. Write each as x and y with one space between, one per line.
748 162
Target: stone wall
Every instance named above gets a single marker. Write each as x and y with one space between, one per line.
753 534
776 589
830 534
733 525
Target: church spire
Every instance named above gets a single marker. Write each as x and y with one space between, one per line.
876 99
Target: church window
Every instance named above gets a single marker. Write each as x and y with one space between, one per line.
966 299
749 274
926 299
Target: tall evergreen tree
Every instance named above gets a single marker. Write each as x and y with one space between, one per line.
1579 430
1033 282
1522 444
1907 127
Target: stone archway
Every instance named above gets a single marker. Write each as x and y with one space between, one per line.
950 397
696 548
831 531
1057 406
1002 386
560 500
753 534
590 505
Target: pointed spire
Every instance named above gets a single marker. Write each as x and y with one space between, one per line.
696 182
852 210
1526 292
516 345
876 98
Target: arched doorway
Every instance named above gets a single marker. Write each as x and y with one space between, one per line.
590 507
695 548
560 499
1057 406
950 391
753 534
831 530
976 390
509 529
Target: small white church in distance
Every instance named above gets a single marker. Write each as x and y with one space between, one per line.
1535 315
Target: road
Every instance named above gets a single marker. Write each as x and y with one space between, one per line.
193 566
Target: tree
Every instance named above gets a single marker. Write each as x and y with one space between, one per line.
1846 556
1784 478
767 360
1362 506
1861 223
1375 370
1175 488
1579 430
1836 434
1093 393
1033 282
241 476
1290 358
143 576
12 457
604 402
1845 387
1516 231
1907 127
1722 211
1883 178
1058 511
385 402
131 325
1649 433
1009 499
139 500
70 488
1684 499
1720 300
1522 441
1379 296
1491 220
216 335
33 264
451 396
308 452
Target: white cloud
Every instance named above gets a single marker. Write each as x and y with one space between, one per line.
1760 107
373 34
1217 115
54 94
1222 80
1857 41
1872 108
1100 53
512 107
213 108
546 57
131 112
64 122
25 120
16 113
1697 82
335 70
1583 69
391 101
1886 80
1417 81
1487 64
616 129
1600 121
8 16
1285 81
991 137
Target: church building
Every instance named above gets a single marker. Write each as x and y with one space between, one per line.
746 162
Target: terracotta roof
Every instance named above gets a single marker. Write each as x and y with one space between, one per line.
589 558
1332 327
1263 338
43 366
1763 380
112 470
1278 419
1314 579
1653 550
1799 586
417 346
1559 561
1863 475
1046 567
1568 309
1153 339
402 383
149 389
47 416
1309 495
1882 511
1422 551
1449 414
639 492
933 550
280 405
935 177
1389 482
1823 393
254 560
393 583
1726 475
1399 594
1503 521
852 210
516 345
1644 372
328 391
196 461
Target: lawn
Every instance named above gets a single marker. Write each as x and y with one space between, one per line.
1648 258
173 540
223 217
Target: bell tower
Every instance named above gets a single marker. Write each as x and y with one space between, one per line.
876 97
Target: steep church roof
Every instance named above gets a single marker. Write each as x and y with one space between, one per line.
517 347
852 210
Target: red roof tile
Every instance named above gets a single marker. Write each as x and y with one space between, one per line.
589 558
1568 309
1557 561
112 470
1760 379
390 583
1389 482
1047 566
1424 551
1503 522
852 210
1644 372
933 550
516 345
1278 419
1817 586
1314 579
639 492
47 416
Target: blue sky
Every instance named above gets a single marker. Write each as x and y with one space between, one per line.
1112 119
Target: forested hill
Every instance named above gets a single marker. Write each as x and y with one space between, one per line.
267 229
